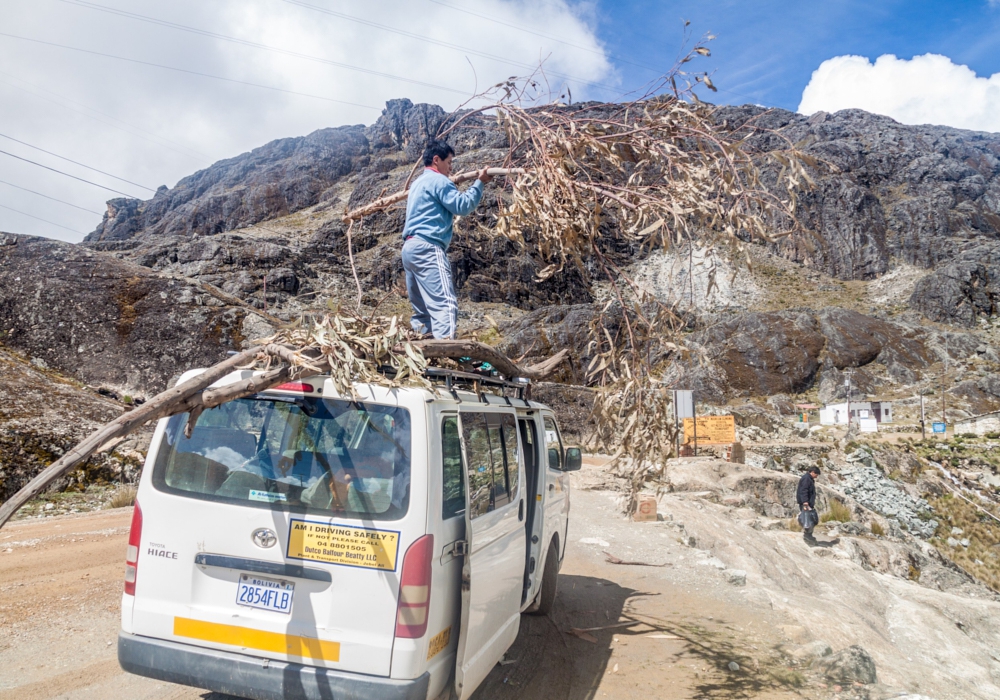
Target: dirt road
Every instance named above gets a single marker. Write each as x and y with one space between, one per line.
61 579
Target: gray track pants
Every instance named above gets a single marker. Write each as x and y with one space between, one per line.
429 286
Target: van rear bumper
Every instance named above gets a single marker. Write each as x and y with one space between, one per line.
254 677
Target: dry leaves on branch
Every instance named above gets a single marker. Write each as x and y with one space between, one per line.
656 172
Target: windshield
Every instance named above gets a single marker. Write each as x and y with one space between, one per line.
296 452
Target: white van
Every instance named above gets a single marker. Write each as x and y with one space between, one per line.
301 545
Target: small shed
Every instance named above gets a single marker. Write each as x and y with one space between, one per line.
980 425
836 413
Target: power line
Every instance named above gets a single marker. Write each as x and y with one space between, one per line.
11 184
253 44
132 128
32 216
522 28
68 175
190 72
24 143
421 37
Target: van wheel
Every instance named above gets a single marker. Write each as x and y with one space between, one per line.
547 595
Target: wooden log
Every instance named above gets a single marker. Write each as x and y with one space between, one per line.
191 395
456 349
387 201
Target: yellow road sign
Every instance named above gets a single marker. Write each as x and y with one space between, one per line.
712 430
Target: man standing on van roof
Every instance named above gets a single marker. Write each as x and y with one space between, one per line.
431 206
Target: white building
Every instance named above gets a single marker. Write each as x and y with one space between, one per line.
836 413
980 425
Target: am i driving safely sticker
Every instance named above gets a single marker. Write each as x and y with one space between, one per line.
342 545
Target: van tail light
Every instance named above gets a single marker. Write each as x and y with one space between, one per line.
415 589
132 553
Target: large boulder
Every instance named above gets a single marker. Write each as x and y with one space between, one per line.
849 665
757 354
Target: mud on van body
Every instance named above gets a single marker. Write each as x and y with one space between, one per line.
300 545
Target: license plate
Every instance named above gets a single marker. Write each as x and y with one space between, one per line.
265 593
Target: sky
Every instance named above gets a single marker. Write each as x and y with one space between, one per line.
108 98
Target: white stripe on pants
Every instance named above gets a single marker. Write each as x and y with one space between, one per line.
429 286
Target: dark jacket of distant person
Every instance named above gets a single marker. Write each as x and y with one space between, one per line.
807 491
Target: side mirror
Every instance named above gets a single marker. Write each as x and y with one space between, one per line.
554 458
574 459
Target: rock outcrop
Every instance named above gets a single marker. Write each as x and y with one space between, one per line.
761 353
43 414
109 322
918 194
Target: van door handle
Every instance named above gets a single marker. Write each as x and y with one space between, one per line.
552 487
520 510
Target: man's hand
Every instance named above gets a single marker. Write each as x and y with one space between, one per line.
805 506
484 176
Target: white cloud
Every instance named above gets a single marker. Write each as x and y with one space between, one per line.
927 89
168 115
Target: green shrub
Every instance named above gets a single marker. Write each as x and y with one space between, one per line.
992 435
968 436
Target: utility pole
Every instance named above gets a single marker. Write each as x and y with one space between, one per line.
694 420
847 383
944 418
923 418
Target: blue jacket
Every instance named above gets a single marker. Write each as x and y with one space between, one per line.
432 204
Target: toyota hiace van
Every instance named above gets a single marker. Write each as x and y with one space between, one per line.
300 544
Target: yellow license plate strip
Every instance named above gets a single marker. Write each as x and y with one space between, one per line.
247 638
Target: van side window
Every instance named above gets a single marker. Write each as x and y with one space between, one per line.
480 466
510 444
553 446
501 496
453 497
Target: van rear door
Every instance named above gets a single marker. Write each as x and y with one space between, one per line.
279 527
493 569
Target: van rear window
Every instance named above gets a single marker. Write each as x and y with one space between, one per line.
292 452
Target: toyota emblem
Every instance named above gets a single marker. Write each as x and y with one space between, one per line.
264 537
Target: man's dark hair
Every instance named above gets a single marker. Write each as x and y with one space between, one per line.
441 149
815 470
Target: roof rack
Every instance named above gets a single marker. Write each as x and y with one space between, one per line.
472 381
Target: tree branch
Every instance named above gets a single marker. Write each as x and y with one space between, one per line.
456 349
389 200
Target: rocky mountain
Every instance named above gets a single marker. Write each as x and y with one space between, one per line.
886 193
900 230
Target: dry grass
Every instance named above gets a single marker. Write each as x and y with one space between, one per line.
123 496
877 529
838 512
982 557
794 526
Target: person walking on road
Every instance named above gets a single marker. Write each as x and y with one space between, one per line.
432 204
806 498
